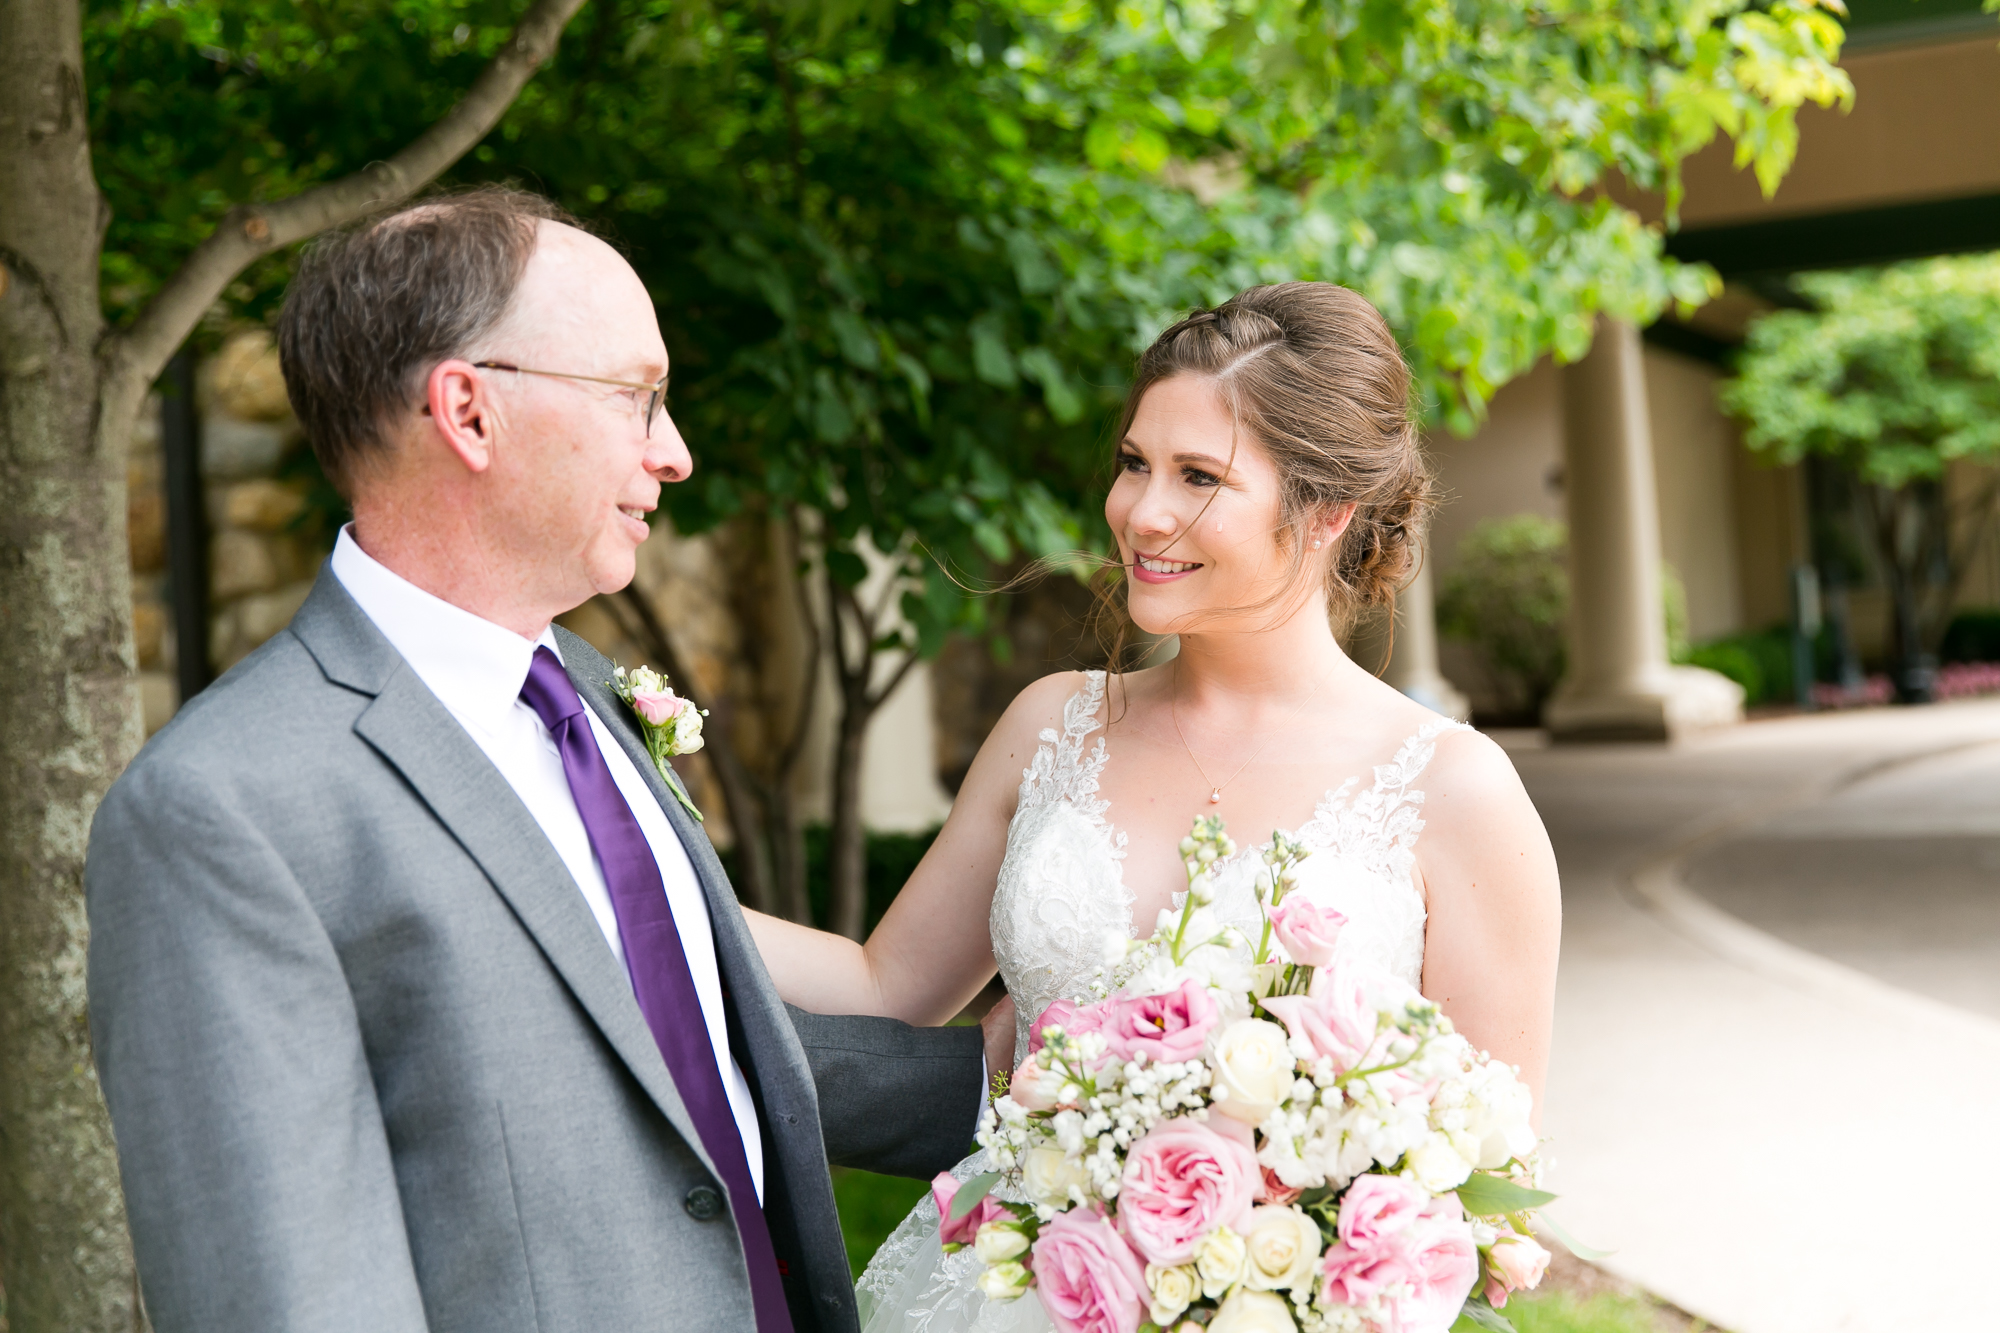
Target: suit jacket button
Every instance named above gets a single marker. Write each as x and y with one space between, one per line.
703 1203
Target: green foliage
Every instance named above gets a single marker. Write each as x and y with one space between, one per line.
904 252
1508 596
1760 662
1973 636
871 1206
1896 373
1561 1312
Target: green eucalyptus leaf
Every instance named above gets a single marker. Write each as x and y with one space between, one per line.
970 1193
1485 1195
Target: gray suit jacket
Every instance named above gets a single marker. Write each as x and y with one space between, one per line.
372 1067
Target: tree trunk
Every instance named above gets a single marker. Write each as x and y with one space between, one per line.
847 842
69 711
1903 542
69 704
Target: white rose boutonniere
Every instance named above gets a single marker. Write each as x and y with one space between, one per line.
671 724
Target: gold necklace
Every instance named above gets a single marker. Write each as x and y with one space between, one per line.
1215 788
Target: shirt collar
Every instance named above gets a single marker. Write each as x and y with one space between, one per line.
475 667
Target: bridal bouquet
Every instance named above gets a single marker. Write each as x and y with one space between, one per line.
1253 1136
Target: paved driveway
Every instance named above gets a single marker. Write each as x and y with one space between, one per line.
1766 1110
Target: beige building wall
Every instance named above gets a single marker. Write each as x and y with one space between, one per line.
1729 526
1694 449
1887 150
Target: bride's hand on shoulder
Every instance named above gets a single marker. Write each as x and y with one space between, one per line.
933 951
1490 886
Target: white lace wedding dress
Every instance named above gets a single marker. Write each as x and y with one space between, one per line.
1062 888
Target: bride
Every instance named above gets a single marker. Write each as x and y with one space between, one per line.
1268 487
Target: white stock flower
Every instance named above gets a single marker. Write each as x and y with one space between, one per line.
998 1242
1048 1175
1284 1247
1116 945
1253 1312
1003 1282
1173 1289
1437 1165
1221 1260
1253 1062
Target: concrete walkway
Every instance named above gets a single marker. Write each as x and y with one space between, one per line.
1776 1086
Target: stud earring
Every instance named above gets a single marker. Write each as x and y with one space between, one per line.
1315 546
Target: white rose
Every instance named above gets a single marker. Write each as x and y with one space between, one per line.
1173 1289
1047 1174
1253 1060
1284 1249
1253 1312
1436 1165
997 1242
1221 1260
1003 1282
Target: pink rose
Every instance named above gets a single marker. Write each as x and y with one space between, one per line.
962 1232
1034 1088
1337 1019
1355 1275
1514 1263
1307 930
1088 1277
1374 1250
658 707
1172 1026
1277 1191
1443 1267
1073 1018
1376 1208
1182 1181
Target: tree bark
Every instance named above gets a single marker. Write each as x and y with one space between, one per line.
855 671
69 705
69 708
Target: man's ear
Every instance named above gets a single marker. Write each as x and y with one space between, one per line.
461 408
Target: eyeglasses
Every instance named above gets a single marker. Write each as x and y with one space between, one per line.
656 393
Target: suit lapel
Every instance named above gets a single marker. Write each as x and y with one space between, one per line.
417 736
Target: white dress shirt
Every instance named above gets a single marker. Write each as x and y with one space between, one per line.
476 670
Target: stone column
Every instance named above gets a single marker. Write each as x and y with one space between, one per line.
1620 685
1413 658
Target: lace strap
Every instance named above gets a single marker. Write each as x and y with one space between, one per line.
1384 821
1393 779
1063 769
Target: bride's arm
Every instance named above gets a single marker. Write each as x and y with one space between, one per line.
1489 880
933 951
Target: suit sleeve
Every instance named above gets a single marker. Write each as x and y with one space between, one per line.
257 1172
893 1098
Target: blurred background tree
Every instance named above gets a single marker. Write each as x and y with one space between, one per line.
905 252
1895 376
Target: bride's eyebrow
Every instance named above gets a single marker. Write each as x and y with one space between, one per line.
1202 460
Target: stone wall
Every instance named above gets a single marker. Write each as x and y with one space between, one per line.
261 562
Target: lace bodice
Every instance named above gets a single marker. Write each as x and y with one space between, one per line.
1062 886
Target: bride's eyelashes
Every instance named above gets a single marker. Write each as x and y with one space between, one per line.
1129 461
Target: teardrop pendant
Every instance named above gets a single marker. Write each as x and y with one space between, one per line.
1215 797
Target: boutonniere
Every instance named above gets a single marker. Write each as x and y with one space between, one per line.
671 724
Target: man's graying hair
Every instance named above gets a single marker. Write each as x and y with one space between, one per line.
375 306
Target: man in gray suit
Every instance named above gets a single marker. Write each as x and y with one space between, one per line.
419 1001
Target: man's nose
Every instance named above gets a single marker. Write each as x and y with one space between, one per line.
667 455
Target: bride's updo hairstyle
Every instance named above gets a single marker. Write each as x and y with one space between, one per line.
1313 374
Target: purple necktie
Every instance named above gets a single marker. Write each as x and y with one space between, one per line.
659 967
